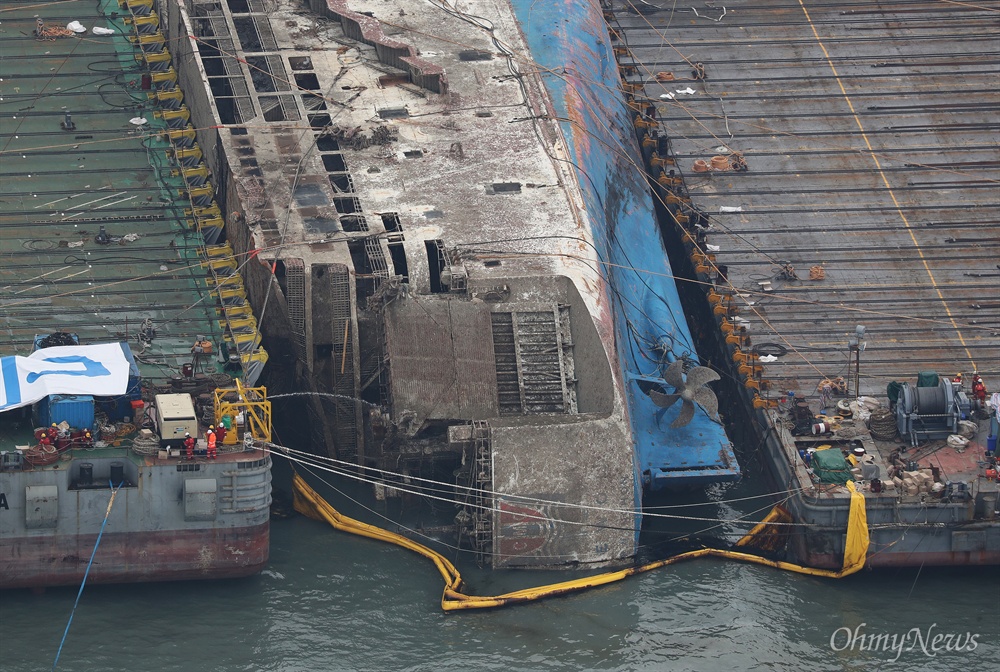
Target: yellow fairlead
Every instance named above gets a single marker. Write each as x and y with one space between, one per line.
309 503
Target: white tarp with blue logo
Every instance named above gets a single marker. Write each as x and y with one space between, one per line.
98 370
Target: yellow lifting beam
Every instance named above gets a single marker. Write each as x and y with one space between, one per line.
228 281
229 293
132 5
214 222
234 312
175 136
175 95
175 118
221 263
188 154
169 75
149 43
257 356
204 191
223 250
198 174
157 58
205 212
149 22
243 342
239 324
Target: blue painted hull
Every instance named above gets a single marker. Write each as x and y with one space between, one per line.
569 41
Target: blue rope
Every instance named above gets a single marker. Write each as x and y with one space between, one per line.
114 491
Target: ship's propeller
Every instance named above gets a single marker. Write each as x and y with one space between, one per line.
690 391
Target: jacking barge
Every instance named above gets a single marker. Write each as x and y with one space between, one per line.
829 172
112 239
458 256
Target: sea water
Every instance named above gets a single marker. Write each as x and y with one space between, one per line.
329 601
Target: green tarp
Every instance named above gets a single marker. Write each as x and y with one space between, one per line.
927 379
830 466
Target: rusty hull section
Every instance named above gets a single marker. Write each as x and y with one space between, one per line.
135 557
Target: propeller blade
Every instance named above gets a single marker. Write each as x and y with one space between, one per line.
700 375
687 412
674 375
663 400
707 400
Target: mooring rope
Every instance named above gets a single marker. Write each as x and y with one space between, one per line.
114 492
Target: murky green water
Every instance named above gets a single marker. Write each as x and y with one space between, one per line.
333 602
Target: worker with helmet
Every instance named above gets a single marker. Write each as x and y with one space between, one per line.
211 438
189 445
45 439
979 390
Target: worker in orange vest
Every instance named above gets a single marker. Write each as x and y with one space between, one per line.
189 445
979 389
210 437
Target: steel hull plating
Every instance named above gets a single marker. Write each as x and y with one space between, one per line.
133 557
170 519
570 40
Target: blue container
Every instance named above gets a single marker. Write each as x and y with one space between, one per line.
119 407
991 444
76 409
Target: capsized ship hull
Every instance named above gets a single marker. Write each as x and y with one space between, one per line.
440 270
570 41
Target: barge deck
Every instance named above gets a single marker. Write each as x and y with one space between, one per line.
110 231
832 166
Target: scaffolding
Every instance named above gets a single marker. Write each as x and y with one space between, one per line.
248 404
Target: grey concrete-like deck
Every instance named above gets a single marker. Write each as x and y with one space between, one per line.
870 136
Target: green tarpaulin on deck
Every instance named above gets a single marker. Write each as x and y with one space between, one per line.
831 467
927 379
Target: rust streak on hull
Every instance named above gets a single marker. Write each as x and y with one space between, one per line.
131 557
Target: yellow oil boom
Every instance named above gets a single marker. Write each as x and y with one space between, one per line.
248 411
309 503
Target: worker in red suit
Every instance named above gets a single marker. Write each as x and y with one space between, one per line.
210 437
979 389
189 445
220 433
45 440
